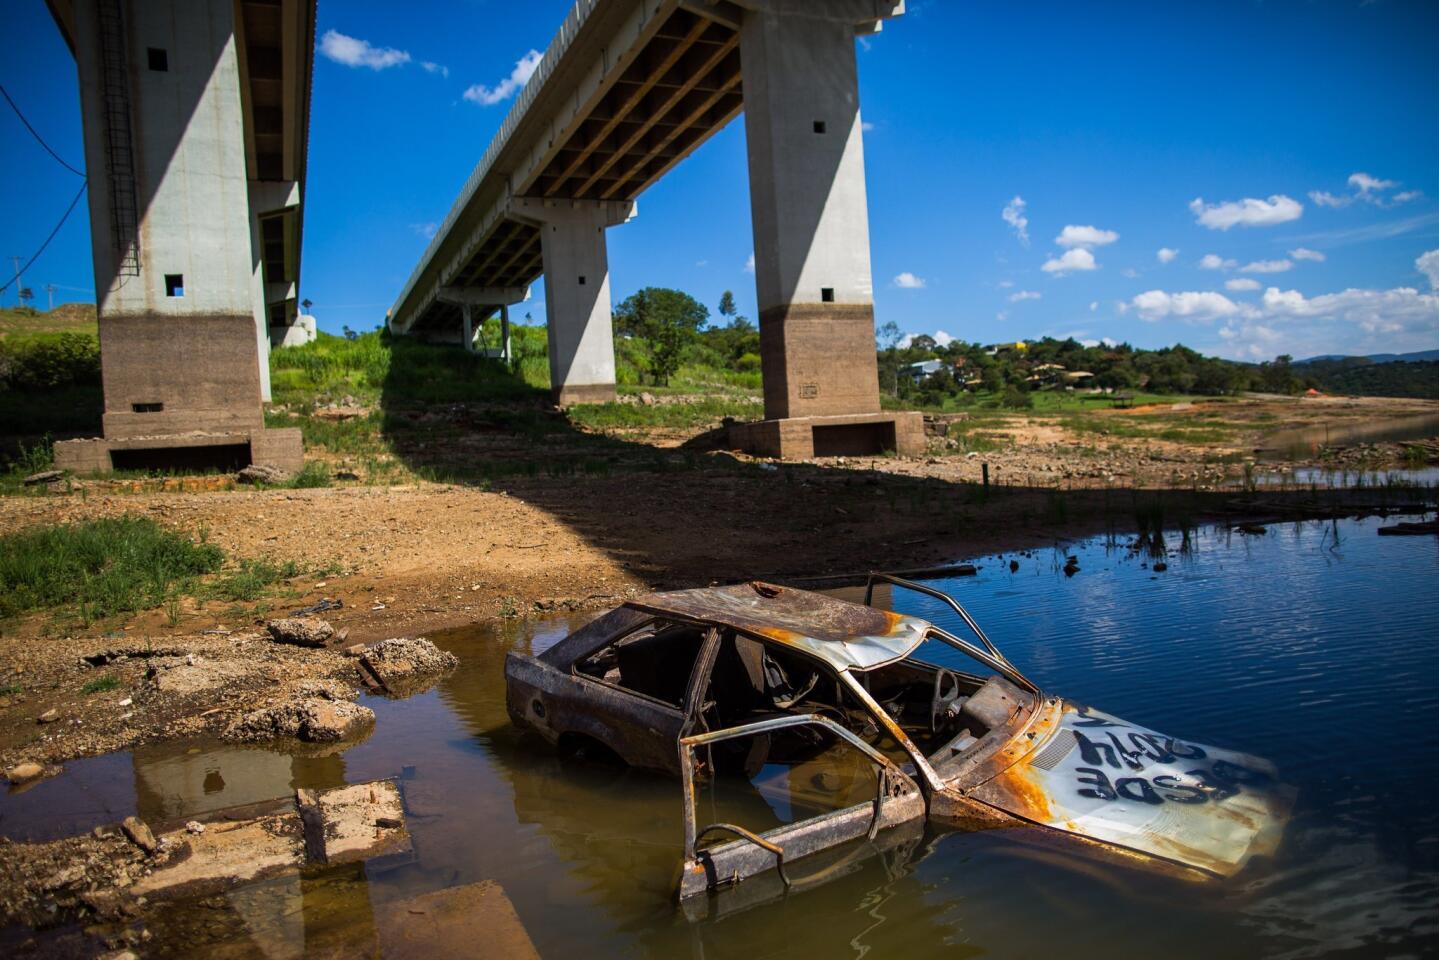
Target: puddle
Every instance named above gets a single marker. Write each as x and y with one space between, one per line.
1304 442
1313 651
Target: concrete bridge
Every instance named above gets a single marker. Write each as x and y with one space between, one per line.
625 91
196 117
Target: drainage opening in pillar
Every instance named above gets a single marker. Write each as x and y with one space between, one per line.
853 439
221 458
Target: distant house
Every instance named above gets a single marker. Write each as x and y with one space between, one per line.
921 370
1077 378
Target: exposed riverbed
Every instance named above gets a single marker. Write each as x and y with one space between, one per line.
1311 645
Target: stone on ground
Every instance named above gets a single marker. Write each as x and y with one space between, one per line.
301 631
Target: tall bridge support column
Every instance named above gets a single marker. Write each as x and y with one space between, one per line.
577 293
811 235
167 110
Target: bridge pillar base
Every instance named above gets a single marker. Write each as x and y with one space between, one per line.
852 435
281 448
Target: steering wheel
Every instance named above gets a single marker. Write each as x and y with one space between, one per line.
942 704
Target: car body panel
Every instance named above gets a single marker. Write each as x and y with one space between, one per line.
1109 780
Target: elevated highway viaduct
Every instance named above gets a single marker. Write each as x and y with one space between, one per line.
196 119
626 90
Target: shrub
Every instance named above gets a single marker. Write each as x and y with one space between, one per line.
48 361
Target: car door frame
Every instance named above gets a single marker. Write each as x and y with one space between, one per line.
898 800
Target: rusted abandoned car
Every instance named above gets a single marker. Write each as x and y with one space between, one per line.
753 677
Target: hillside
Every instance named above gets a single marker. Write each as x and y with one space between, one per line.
66 318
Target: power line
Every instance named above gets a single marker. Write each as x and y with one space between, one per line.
31 261
38 139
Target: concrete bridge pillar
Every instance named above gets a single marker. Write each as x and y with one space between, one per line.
811 235
577 293
176 195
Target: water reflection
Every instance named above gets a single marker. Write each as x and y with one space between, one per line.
1311 645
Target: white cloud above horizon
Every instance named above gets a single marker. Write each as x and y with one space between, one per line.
354 52
1248 212
908 281
1286 321
1165 254
1428 264
1074 259
749 264
1364 188
489 96
1304 253
1024 295
1085 236
426 230
1267 266
1213 261
1239 284
1013 214
431 67
941 338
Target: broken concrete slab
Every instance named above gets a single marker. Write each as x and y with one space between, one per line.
356 822
139 833
460 921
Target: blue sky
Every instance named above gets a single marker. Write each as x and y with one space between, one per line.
1293 144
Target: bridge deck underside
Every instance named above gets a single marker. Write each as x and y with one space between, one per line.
671 96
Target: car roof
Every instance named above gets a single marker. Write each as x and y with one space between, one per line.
843 634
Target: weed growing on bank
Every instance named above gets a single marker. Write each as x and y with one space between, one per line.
99 569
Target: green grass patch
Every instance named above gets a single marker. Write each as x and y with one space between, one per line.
100 567
101 684
250 581
11 689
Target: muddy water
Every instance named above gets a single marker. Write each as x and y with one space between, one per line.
1305 442
1315 652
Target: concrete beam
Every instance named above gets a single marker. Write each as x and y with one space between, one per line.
483 296
577 293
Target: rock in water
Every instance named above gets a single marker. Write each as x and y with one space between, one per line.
402 657
301 631
24 772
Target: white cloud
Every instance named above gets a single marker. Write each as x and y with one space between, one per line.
1166 254
941 339
1193 306
866 126
1324 198
1241 284
439 68
1353 321
1024 295
1076 236
908 281
1366 184
353 52
1002 316
1006 284
1266 266
1130 272
1249 212
509 86
1013 214
1428 264
1304 253
426 230
749 264
1093 305
1213 261
1077 258
1368 189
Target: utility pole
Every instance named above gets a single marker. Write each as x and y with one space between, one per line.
18 284
50 289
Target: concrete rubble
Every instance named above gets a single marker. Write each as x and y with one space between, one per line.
301 631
